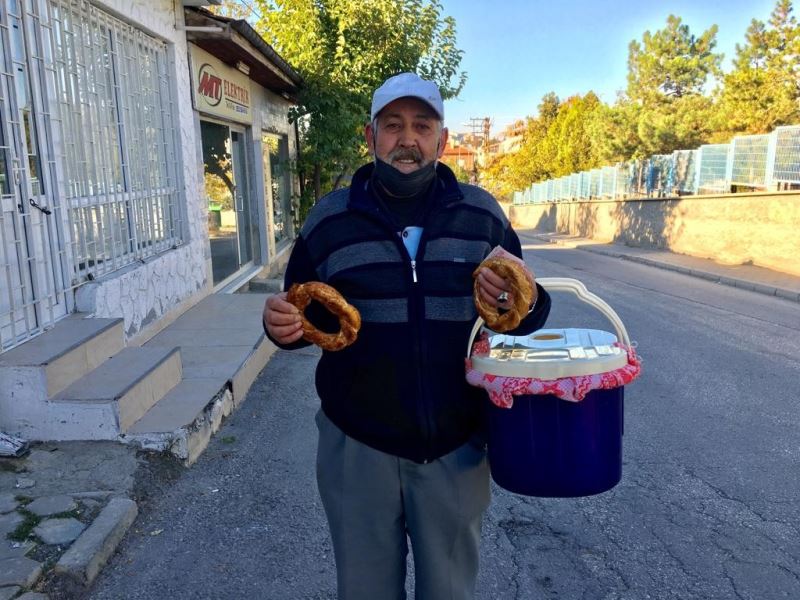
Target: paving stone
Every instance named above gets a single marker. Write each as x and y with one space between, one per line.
90 503
9 523
24 483
6 593
52 505
84 559
33 596
59 531
20 571
10 549
7 503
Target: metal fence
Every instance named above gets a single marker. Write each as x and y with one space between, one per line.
753 162
89 170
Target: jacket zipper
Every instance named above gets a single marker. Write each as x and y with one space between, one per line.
414 317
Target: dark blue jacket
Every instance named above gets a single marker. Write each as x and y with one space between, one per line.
400 388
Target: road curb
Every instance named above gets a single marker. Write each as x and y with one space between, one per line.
744 284
90 552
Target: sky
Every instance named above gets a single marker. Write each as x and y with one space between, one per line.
515 51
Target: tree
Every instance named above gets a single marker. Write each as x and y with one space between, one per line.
667 78
509 172
232 9
344 50
614 131
763 89
671 62
567 144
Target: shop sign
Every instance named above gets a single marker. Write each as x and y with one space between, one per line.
218 89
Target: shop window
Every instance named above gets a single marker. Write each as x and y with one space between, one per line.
277 184
115 112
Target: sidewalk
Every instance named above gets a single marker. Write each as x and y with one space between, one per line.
748 277
65 506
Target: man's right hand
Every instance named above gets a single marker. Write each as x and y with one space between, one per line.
282 319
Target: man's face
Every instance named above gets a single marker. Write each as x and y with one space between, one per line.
407 135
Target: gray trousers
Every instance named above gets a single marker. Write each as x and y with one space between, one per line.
375 502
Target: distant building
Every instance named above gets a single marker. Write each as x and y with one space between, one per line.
511 137
459 155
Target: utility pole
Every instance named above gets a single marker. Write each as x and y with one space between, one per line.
480 128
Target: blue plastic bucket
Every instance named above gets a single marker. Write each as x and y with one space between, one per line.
548 447
544 445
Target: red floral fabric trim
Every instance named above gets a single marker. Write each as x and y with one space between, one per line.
574 389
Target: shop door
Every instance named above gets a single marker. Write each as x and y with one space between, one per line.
32 293
230 220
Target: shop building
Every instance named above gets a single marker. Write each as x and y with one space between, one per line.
145 164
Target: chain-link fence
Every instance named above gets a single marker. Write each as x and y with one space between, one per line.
765 162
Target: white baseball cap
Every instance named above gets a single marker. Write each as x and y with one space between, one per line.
407 85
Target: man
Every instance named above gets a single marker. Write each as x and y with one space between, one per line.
400 452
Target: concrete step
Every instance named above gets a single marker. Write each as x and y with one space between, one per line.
215 383
65 353
107 401
262 285
183 422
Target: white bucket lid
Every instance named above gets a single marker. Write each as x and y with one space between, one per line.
552 354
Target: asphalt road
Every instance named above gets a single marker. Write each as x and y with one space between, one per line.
707 508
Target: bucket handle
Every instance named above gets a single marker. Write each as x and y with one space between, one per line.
567 284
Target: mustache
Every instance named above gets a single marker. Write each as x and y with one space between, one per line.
405 154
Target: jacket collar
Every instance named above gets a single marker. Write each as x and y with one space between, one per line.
446 192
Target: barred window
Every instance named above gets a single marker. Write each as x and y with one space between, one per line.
115 118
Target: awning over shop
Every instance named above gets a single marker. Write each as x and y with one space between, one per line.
236 43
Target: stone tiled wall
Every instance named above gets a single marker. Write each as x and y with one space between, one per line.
762 229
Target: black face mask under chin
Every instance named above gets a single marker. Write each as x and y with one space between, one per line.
404 185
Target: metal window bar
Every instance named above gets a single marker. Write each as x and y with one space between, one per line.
712 168
31 244
749 160
117 118
786 164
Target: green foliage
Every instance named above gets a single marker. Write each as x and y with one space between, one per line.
671 62
557 142
763 90
344 50
25 529
668 73
461 173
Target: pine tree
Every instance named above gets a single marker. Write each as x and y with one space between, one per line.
763 89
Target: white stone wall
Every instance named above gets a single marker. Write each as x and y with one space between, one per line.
144 293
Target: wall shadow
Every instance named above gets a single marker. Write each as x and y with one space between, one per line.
645 223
